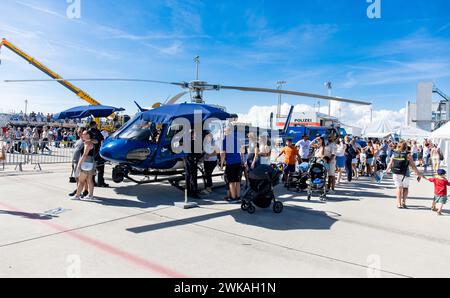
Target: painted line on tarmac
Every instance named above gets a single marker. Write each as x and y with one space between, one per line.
111 250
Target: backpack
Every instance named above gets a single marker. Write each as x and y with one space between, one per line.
401 163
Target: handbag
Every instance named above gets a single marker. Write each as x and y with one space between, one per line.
87 166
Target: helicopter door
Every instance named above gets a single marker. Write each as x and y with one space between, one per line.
165 152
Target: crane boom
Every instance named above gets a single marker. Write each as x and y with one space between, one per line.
80 93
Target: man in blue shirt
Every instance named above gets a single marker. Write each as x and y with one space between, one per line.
231 155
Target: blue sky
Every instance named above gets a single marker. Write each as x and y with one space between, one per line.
254 43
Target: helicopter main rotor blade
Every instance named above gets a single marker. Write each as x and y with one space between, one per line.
96 80
176 98
295 93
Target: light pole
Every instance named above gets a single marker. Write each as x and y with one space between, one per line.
329 86
197 62
279 87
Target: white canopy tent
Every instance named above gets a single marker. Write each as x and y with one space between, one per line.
380 129
414 133
442 133
442 138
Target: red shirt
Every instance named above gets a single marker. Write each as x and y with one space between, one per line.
440 186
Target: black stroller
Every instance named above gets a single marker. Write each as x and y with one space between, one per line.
317 183
299 179
263 179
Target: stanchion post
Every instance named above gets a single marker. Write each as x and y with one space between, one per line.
186 204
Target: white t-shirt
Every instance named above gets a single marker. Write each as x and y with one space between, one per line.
304 148
210 149
331 149
340 150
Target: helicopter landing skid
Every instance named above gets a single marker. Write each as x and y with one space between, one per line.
173 180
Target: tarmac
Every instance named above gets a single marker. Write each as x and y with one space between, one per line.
136 231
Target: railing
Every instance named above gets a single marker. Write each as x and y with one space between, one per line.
25 152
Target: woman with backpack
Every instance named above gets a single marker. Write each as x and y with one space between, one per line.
351 153
400 165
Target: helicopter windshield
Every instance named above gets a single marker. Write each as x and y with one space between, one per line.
141 130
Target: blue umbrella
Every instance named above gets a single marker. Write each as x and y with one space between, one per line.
87 111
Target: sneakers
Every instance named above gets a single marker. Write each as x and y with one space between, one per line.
85 194
72 194
233 201
207 191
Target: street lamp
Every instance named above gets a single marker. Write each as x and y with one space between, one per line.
197 62
280 87
329 87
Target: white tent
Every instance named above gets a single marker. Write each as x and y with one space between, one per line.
379 129
409 132
442 133
442 138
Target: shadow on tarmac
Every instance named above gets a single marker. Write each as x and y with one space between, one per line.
33 216
292 218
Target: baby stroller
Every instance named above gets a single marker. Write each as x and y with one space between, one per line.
299 179
262 179
379 172
317 183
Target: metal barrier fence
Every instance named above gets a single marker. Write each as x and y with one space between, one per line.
19 153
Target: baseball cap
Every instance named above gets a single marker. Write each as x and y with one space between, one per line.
441 172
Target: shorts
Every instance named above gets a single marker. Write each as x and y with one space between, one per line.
354 161
289 169
332 169
340 162
233 173
440 199
436 160
370 161
401 181
415 156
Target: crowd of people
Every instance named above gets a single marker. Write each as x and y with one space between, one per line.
346 159
32 117
36 140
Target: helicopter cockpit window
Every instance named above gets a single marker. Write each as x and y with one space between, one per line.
141 130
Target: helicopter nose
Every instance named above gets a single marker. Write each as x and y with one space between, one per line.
112 151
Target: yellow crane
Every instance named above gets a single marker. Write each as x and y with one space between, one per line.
80 93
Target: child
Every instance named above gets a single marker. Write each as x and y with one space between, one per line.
23 146
291 157
440 190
